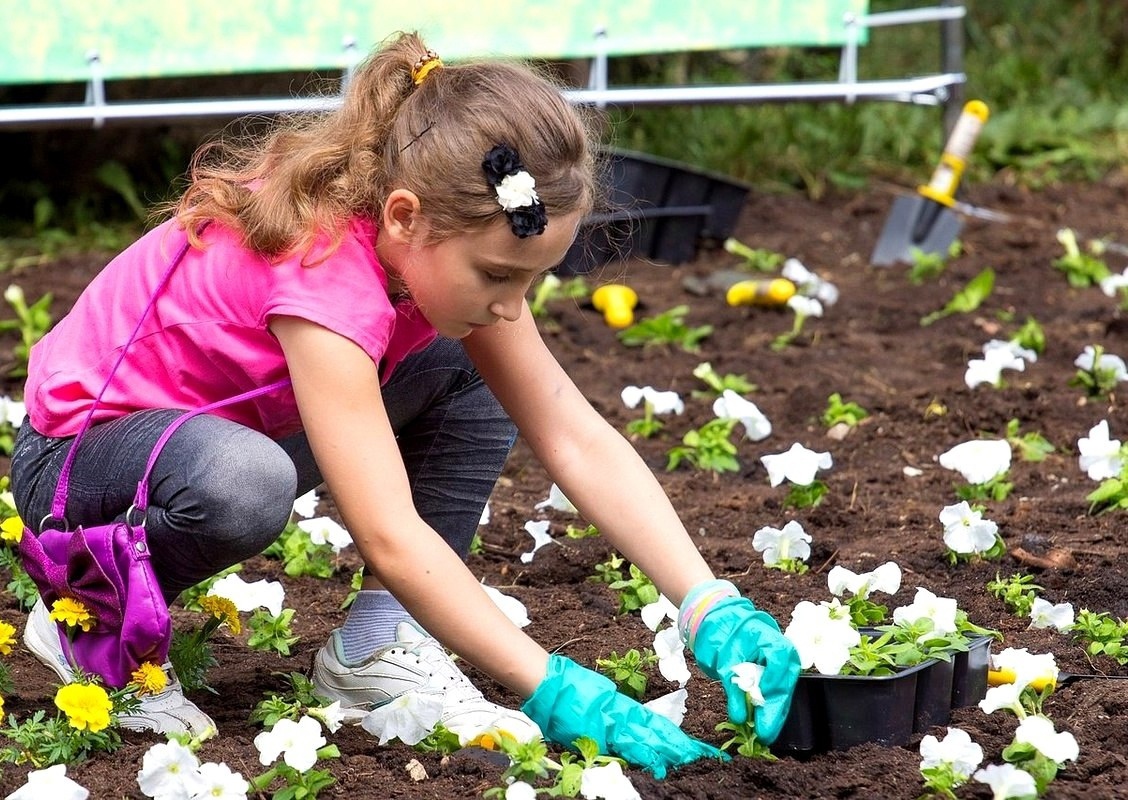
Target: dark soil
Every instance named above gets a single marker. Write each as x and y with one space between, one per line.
871 348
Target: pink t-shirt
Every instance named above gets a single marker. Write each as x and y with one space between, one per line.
206 337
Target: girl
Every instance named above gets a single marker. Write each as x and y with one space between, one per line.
379 257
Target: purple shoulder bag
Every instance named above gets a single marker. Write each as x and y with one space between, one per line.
107 567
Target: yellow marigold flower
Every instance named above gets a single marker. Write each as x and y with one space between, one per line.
72 613
11 530
86 705
7 636
149 678
1 706
222 609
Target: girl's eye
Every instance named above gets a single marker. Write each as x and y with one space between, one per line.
492 278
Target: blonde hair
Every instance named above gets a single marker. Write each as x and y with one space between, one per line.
310 175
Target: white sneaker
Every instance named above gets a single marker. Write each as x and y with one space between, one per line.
414 662
166 712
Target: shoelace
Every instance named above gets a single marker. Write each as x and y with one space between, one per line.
445 676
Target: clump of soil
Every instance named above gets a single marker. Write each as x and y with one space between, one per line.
871 348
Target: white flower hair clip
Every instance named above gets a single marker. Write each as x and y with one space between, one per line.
516 191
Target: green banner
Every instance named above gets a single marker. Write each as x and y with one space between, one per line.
50 41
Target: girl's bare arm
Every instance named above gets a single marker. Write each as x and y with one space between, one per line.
338 394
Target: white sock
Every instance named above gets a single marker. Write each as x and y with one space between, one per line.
371 623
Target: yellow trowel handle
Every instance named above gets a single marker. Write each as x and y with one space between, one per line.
997 677
946 177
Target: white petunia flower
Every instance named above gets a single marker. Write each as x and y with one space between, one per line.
1107 361
660 402
797 465
330 716
776 544
220 783
1113 283
12 411
169 769
1005 695
513 608
1007 781
808 283
997 356
1044 614
306 505
409 718
886 578
1038 731
556 500
519 790
926 605
51 782
323 530
297 743
607 782
956 749
805 306
654 614
979 460
671 706
1025 665
746 676
250 596
541 537
1012 347
1100 456
670 649
822 635
730 405
965 530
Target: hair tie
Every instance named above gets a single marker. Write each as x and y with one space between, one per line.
427 62
516 191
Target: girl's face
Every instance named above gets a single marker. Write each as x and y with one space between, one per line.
476 279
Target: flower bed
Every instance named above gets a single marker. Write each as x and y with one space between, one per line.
885 491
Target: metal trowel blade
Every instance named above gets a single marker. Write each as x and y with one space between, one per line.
915 223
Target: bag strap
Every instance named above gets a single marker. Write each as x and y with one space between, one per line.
58 504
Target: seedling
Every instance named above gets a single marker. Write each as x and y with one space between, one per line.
926 266
755 259
1081 269
634 592
32 322
803 307
299 555
551 289
1017 592
709 447
1111 495
666 328
1031 336
966 299
839 411
628 670
1102 634
718 384
1098 372
608 571
1031 446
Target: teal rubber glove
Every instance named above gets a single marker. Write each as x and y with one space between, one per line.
733 632
573 701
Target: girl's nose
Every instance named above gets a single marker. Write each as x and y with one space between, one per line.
509 308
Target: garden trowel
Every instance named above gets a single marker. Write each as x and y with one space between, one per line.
997 677
927 220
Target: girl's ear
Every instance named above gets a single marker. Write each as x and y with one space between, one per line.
401 220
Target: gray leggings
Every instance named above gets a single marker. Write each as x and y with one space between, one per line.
221 492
